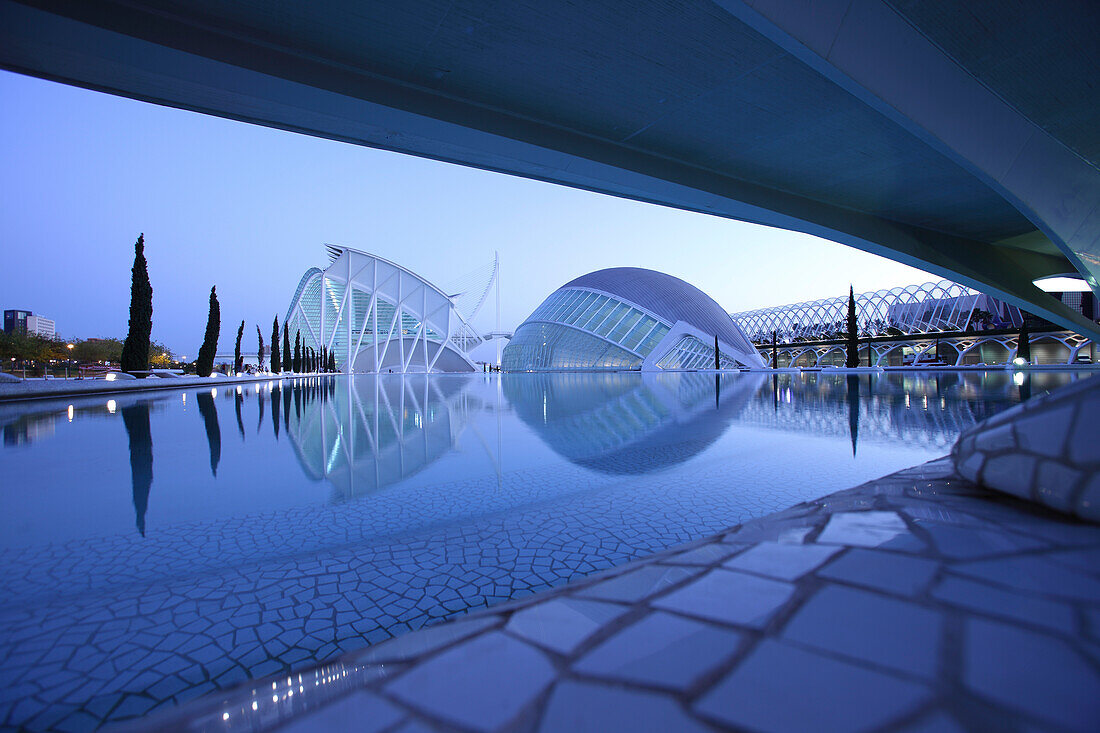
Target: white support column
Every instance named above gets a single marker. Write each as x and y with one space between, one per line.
374 327
412 349
372 311
321 313
347 341
497 285
424 324
443 344
401 326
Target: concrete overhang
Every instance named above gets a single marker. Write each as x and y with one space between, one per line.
869 123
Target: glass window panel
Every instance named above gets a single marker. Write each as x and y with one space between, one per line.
653 339
548 306
634 337
578 308
598 317
558 306
564 305
623 326
612 319
589 311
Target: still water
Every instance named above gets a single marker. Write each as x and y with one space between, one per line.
164 545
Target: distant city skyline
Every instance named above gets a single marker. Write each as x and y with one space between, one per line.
248 208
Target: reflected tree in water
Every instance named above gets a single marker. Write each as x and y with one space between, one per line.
853 410
209 412
260 399
136 420
237 406
286 405
275 402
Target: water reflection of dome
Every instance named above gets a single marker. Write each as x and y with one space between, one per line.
629 423
368 432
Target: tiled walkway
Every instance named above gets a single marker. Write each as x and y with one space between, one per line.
916 602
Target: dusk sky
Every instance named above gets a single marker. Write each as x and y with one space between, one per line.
248 208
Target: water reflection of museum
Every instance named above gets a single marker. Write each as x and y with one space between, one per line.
368 432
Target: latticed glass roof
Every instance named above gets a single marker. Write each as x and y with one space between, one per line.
927 308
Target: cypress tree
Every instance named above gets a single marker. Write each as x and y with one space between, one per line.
276 362
297 363
260 349
286 350
237 362
205 363
135 351
852 357
332 362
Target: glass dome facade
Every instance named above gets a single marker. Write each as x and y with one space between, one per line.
621 319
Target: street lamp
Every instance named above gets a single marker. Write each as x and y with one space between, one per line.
70 361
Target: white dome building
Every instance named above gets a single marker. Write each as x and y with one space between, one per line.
628 318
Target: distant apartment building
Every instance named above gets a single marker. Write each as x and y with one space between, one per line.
26 322
42 326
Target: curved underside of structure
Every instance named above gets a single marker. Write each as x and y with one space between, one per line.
961 138
375 316
628 318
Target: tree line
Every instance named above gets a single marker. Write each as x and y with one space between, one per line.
137 349
34 349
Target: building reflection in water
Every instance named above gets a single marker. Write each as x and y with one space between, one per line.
625 423
367 432
920 409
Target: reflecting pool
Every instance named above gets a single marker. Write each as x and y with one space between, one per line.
159 546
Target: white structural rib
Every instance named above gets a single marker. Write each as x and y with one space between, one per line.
343 308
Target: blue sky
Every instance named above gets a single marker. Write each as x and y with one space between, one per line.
247 208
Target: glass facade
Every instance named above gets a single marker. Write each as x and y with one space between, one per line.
691 353
328 311
542 346
583 329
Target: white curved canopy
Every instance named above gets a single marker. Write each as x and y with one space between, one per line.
362 304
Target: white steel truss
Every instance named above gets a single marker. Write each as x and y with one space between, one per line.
913 309
361 304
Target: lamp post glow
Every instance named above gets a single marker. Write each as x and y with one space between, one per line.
70 361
